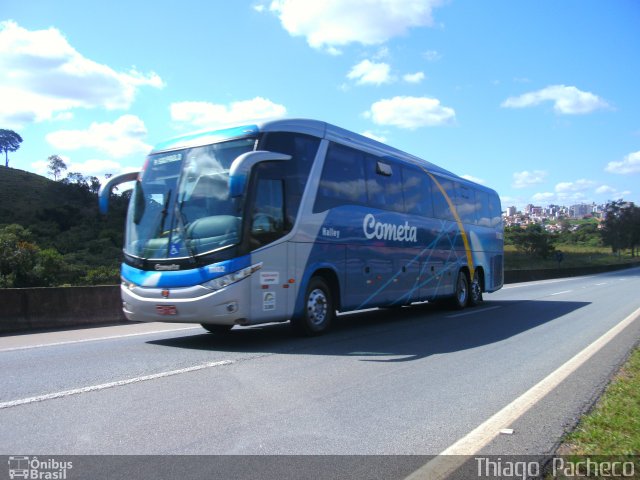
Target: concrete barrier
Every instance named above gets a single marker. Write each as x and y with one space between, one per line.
24 309
516 276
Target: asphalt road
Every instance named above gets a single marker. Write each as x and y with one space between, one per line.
411 381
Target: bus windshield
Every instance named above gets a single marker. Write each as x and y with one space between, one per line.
181 207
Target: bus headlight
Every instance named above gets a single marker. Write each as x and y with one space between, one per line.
226 280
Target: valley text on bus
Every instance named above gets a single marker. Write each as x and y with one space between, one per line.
295 220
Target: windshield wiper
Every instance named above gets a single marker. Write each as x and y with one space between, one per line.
165 212
183 228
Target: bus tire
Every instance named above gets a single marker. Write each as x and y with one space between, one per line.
475 290
213 328
461 291
319 309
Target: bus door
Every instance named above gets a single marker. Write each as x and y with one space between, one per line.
269 295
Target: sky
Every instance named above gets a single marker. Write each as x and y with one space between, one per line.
538 99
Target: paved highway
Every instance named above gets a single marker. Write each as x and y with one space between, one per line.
412 381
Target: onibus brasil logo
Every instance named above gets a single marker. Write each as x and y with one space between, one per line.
33 468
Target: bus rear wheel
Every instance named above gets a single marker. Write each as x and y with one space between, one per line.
461 293
210 327
475 290
319 309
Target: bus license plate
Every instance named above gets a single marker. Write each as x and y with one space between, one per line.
166 309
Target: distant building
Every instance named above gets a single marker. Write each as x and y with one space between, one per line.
511 211
579 211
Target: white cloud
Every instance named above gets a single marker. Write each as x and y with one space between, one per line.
566 100
212 115
474 179
370 73
432 55
577 186
410 112
44 76
630 164
605 189
545 197
525 179
413 77
383 52
612 193
123 137
330 24
561 198
373 136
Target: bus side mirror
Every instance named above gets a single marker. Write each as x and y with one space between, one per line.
105 189
241 166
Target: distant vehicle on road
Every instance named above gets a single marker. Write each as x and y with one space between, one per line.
295 220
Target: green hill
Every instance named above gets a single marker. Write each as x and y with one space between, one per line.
64 217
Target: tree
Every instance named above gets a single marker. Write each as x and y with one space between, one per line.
633 228
17 256
74 177
621 227
9 142
56 166
94 184
533 240
25 264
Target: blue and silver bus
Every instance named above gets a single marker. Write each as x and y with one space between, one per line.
297 220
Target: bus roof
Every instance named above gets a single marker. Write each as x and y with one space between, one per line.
311 127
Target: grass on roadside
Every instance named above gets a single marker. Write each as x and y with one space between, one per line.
613 426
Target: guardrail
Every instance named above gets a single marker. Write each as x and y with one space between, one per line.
25 309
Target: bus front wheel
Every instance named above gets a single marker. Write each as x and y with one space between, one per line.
319 309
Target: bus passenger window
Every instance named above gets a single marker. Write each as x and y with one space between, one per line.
441 208
342 181
484 213
303 149
466 203
496 210
384 185
417 192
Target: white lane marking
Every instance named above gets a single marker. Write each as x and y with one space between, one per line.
471 312
83 340
453 456
561 293
600 284
103 386
543 282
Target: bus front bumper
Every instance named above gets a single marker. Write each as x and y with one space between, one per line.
196 304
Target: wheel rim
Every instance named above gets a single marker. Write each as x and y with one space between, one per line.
476 291
462 290
317 307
